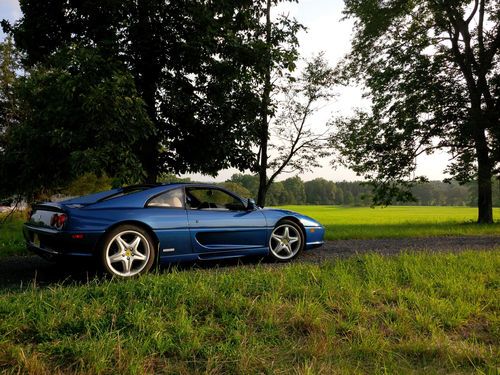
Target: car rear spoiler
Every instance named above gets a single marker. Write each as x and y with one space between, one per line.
48 206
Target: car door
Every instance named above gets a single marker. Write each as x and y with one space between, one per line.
219 221
166 214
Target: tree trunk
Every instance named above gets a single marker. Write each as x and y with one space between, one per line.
149 149
484 175
484 200
264 129
147 75
261 198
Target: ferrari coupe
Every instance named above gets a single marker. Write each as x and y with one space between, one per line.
130 229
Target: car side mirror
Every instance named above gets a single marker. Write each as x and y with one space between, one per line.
251 205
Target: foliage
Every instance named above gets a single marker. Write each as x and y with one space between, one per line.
88 183
237 188
321 191
413 313
80 115
294 190
431 70
289 191
9 63
279 57
248 181
168 178
195 65
296 144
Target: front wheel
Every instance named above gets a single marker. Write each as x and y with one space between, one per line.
128 251
286 241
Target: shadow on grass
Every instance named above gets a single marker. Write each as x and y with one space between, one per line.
33 271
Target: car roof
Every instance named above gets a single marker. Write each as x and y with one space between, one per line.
140 197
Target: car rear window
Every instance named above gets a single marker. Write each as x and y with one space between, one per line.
126 191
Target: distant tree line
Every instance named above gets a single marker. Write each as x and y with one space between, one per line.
320 191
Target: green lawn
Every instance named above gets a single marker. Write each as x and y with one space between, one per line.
398 221
11 236
407 314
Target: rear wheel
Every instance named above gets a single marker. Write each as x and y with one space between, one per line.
286 241
128 251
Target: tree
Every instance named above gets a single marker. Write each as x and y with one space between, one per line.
237 188
297 145
432 71
339 195
88 183
277 194
279 54
81 115
321 191
249 182
294 190
349 199
168 178
9 64
194 64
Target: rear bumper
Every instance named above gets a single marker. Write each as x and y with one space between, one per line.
51 243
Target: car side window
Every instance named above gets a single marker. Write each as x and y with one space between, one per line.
172 198
212 199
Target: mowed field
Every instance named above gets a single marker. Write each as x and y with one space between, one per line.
398 221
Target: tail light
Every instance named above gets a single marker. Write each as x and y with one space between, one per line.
58 220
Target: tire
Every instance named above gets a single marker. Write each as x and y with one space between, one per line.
286 241
127 251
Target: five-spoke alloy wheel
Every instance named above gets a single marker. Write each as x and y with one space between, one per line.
286 241
128 251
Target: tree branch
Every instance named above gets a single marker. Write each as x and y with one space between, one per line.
473 13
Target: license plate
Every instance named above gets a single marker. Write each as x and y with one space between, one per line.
36 240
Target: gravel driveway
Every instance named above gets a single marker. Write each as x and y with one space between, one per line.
24 271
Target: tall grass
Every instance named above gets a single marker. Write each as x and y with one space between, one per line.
413 313
398 221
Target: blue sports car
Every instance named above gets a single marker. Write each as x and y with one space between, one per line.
129 229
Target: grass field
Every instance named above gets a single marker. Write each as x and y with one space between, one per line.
398 221
412 313
344 223
11 236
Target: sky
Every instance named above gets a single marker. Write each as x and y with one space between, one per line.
328 33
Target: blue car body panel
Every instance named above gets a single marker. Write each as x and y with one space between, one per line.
181 234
